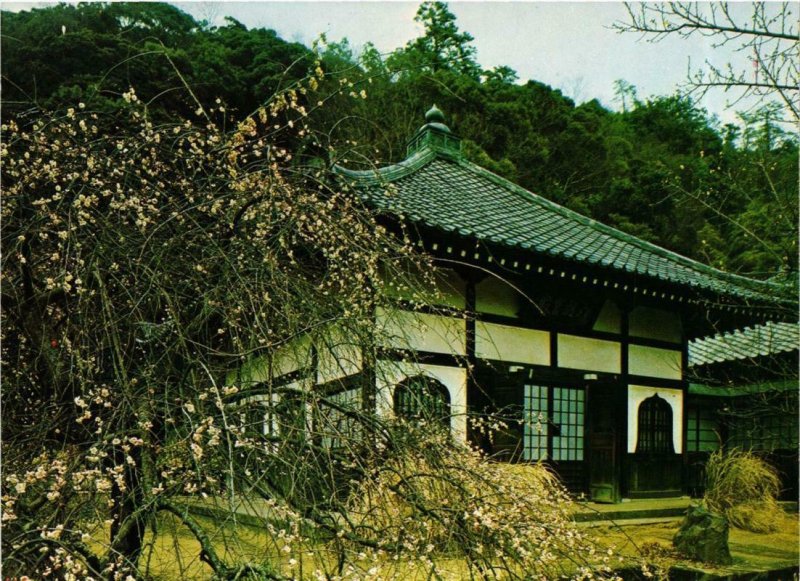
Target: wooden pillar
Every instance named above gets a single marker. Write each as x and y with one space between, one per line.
684 415
470 307
622 425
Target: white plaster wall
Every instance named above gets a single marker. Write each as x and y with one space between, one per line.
285 360
495 297
512 344
609 319
591 354
654 362
252 372
655 324
421 331
390 373
674 397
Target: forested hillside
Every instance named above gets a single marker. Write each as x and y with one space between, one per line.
661 168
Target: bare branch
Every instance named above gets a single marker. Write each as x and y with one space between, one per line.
768 37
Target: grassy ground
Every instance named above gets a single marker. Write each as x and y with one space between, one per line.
751 552
174 553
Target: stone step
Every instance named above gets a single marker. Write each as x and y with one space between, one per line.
633 510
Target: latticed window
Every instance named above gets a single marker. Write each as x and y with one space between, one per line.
253 416
334 422
568 422
536 426
702 431
563 425
290 413
764 432
655 427
422 398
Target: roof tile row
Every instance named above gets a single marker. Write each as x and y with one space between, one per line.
454 195
748 343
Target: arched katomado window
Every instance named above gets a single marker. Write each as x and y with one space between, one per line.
655 427
422 398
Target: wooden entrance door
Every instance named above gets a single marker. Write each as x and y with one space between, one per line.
605 412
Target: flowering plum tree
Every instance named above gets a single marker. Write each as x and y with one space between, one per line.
144 267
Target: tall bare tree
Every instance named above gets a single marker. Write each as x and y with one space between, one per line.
766 37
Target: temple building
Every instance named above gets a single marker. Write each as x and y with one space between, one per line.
555 338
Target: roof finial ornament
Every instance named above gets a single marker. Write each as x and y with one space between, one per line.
434 115
435 136
435 118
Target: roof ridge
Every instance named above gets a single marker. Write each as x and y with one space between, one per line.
749 331
609 230
391 172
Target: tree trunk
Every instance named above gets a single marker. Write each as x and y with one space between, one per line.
129 518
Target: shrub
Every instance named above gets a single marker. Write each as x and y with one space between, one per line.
449 502
743 487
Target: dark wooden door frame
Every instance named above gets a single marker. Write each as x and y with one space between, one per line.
605 440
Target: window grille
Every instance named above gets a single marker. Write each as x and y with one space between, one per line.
561 429
765 433
701 430
422 398
252 416
535 422
655 427
336 426
290 413
569 421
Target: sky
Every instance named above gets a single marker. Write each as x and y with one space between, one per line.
570 46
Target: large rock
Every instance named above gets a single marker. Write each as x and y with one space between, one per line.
703 536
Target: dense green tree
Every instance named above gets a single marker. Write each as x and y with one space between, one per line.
761 226
95 52
661 168
442 47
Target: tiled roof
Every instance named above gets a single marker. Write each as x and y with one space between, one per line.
446 192
750 342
